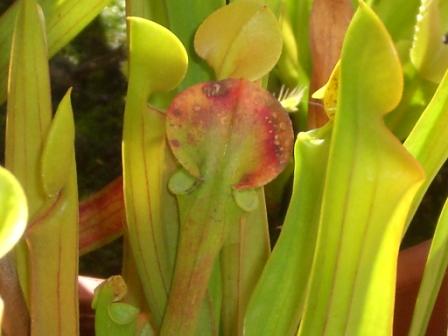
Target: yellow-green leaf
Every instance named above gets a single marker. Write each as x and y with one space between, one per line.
163 61
29 102
113 318
157 62
371 180
57 155
278 298
429 51
13 211
329 93
240 40
430 133
65 19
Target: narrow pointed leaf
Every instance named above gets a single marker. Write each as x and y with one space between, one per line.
233 40
371 180
54 232
28 118
429 132
53 228
57 154
65 19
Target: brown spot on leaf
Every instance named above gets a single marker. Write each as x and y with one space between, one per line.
215 89
174 143
177 113
231 127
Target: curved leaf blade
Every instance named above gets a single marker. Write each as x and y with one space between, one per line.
162 62
157 62
113 317
276 303
57 154
429 132
370 183
13 211
28 118
233 40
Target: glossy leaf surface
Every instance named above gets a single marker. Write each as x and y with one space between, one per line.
28 118
429 133
157 62
13 211
233 40
112 317
52 230
57 154
277 301
370 182
163 62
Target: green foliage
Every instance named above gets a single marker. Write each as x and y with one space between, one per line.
113 318
197 255
13 210
370 182
232 40
157 66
